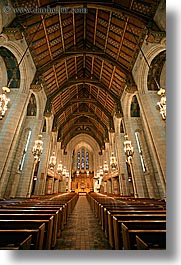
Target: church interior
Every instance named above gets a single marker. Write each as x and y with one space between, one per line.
83 125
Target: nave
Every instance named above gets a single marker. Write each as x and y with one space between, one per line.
82 231
83 124
91 221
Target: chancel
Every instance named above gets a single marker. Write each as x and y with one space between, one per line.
83 125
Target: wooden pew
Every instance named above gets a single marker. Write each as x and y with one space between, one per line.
114 229
148 229
141 245
21 241
48 219
37 228
108 215
25 210
110 211
51 205
150 242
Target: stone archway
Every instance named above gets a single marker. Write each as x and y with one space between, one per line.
82 179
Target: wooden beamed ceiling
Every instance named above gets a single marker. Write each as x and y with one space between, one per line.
85 60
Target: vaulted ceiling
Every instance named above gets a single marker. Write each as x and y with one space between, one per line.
84 60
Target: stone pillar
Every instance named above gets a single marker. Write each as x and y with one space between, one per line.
155 131
43 166
121 161
10 128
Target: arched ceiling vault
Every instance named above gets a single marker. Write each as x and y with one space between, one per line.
84 59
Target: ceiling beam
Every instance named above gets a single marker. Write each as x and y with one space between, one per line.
93 101
76 52
92 127
74 81
94 118
94 82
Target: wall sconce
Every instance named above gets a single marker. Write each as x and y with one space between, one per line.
162 103
113 161
52 161
128 149
59 168
4 101
38 148
105 167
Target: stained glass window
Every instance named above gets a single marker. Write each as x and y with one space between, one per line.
83 159
87 160
78 160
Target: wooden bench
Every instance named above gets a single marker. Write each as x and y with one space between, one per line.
114 228
150 242
62 212
109 212
48 219
36 210
149 229
37 226
21 241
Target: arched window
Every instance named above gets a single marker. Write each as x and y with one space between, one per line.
44 126
135 108
121 127
140 151
87 160
28 136
78 160
155 71
83 159
11 63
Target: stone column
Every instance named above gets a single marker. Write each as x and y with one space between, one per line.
10 128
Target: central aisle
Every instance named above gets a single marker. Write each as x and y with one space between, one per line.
82 231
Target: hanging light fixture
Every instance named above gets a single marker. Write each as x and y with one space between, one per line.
64 171
113 161
4 101
162 103
52 161
129 151
38 148
128 148
59 168
105 167
101 171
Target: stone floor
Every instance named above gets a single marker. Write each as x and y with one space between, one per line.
82 231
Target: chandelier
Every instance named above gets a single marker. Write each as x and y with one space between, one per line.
105 167
4 101
38 148
162 103
59 168
101 171
64 172
128 148
113 161
52 161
